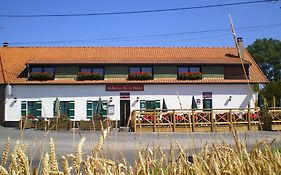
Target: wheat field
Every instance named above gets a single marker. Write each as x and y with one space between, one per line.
214 159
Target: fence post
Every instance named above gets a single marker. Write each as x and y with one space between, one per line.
193 120
139 121
212 121
273 102
230 120
249 117
134 121
174 121
154 121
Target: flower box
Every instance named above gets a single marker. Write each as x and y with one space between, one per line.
190 76
140 76
88 76
40 76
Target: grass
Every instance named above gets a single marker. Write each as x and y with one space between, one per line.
214 159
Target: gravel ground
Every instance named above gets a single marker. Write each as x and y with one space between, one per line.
126 143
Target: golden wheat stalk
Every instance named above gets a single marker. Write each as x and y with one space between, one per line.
99 146
3 171
23 162
5 153
77 159
45 164
53 158
66 169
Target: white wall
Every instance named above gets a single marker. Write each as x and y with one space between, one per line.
241 96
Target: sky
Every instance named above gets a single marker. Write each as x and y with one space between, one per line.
189 28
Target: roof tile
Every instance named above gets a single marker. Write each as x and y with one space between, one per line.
14 60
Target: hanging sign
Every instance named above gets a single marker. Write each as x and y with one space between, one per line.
124 87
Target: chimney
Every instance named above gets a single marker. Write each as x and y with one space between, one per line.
240 47
5 44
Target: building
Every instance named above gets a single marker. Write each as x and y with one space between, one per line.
122 79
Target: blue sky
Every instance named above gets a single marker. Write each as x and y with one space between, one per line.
92 30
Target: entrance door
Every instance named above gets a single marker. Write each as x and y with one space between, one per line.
124 112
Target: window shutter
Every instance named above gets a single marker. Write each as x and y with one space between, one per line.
89 109
142 104
157 104
38 108
23 108
71 109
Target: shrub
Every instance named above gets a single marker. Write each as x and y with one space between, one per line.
88 76
190 76
40 76
140 76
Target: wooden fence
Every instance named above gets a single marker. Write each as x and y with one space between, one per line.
205 120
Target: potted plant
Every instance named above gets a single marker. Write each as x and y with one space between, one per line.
40 76
140 76
81 76
190 76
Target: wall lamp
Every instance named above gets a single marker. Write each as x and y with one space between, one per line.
15 100
110 99
137 99
229 98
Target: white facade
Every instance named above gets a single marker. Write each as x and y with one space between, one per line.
240 94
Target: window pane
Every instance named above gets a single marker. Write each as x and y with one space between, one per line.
36 69
182 69
146 69
50 70
194 69
134 69
84 69
31 107
98 71
150 104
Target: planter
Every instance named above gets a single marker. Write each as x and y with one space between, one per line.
59 125
26 123
42 125
40 76
86 125
88 76
140 76
190 76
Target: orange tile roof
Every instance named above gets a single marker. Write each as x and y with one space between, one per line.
14 61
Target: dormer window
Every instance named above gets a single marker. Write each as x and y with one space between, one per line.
140 73
41 73
189 73
98 70
90 73
50 70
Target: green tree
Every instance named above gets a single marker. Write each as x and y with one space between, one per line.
267 53
270 90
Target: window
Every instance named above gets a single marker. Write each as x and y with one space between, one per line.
50 70
95 108
189 69
147 69
98 70
66 109
207 103
194 69
31 108
140 73
150 104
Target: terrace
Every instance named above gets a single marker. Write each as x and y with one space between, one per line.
188 120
